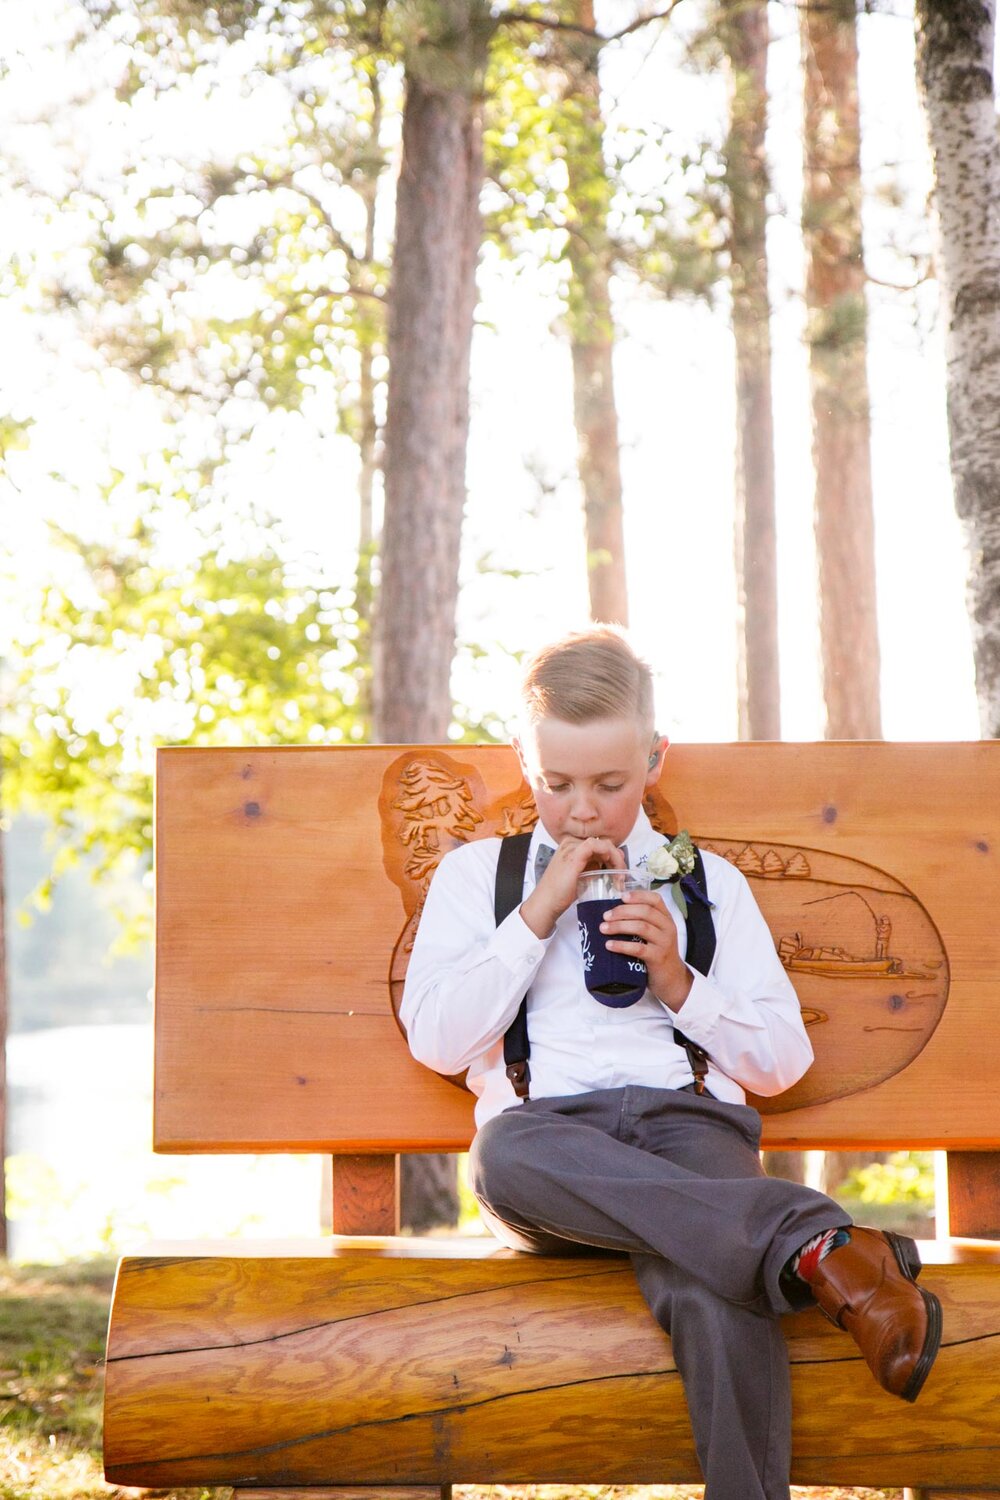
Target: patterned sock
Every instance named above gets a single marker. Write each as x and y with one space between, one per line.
805 1262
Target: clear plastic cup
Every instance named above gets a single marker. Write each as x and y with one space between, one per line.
612 978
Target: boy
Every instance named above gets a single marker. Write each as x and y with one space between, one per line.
619 1145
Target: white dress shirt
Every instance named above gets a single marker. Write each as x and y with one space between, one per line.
466 978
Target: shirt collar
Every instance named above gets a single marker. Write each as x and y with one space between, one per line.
643 839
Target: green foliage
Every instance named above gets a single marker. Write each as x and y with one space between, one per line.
14 438
237 271
52 1329
271 237
236 282
907 1179
839 327
144 650
565 185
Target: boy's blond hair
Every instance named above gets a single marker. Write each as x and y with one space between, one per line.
586 675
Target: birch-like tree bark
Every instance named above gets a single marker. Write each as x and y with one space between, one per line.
591 325
955 62
838 339
743 31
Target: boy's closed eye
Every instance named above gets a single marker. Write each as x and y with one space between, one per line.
563 786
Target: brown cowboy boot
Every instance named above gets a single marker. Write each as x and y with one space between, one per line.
868 1287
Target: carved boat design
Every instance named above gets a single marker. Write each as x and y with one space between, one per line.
799 958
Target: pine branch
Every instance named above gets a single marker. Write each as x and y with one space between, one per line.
349 291
901 286
553 23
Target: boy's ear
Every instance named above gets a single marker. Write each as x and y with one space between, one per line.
654 765
519 751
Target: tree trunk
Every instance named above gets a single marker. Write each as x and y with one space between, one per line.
955 60
3 1052
591 326
370 336
744 33
438 233
837 333
838 347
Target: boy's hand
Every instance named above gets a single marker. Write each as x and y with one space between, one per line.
556 891
642 914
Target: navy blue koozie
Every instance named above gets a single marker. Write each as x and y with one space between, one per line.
613 979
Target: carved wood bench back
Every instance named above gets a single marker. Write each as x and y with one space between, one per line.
289 883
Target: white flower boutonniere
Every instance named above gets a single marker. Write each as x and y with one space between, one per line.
670 863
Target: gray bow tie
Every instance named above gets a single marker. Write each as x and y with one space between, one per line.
545 852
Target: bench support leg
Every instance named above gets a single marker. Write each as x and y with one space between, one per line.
939 1494
974 1194
974 1213
350 1492
366 1195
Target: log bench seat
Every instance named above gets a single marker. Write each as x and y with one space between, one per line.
372 1363
412 1361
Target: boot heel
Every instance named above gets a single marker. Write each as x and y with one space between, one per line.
906 1253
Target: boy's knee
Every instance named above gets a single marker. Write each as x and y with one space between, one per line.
494 1166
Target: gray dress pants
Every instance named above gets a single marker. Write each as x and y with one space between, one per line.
675 1181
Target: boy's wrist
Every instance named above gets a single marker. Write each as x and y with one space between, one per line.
673 990
538 915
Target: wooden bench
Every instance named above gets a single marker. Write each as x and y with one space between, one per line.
288 888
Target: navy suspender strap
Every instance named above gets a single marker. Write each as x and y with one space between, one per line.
700 952
508 894
701 943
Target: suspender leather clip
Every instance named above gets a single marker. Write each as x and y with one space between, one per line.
697 1060
520 1076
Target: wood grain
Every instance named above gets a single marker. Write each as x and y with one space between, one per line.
974 1193
282 898
366 1195
365 1368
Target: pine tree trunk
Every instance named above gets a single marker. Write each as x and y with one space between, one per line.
838 347
591 328
438 234
955 60
744 32
371 335
3 1051
837 333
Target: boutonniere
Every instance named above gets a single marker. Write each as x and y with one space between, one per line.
672 864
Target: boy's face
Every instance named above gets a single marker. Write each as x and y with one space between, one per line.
588 780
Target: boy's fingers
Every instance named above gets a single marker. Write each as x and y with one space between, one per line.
632 929
585 851
632 909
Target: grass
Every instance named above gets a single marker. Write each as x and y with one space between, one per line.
52 1327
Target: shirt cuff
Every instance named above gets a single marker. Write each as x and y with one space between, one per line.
517 947
703 1009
